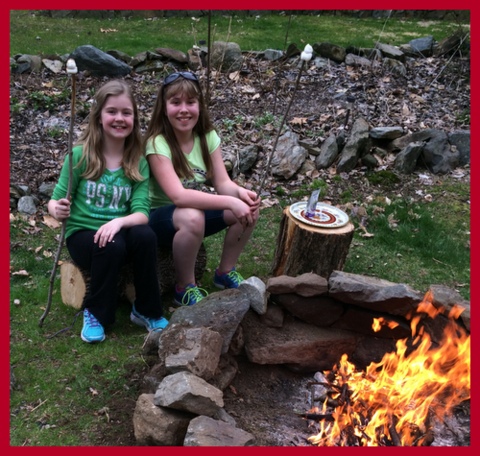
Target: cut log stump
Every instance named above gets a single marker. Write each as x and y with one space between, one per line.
73 285
305 248
74 281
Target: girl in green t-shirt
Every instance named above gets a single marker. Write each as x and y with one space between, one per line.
183 151
106 219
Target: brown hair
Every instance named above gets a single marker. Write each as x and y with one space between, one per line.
160 125
92 137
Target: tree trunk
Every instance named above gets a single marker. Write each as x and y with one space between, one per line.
304 248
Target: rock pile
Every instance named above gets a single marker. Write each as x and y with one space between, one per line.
362 144
304 323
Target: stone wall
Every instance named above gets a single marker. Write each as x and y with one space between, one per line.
304 323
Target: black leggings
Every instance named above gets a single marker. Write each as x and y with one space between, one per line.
138 245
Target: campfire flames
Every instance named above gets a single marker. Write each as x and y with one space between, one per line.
395 401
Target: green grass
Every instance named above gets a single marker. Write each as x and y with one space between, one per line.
415 244
63 383
32 33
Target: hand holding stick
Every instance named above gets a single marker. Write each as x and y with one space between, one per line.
71 70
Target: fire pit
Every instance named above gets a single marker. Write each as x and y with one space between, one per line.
417 394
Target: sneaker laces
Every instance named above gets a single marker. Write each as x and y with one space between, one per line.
92 321
235 277
196 293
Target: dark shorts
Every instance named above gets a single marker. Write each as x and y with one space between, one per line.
161 221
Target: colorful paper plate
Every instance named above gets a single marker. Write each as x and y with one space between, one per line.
326 216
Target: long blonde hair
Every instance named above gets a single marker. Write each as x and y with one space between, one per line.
160 125
92 138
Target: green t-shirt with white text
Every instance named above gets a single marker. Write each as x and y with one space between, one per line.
95 203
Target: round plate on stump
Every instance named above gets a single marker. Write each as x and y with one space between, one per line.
325 216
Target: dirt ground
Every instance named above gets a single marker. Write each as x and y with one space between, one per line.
268 402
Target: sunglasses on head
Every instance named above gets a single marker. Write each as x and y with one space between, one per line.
174 76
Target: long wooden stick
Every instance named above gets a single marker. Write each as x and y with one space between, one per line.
279 132
305 56
72 70
209 48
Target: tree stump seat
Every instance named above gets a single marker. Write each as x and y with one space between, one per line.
74 281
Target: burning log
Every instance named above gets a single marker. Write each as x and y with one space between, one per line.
393 432
317 416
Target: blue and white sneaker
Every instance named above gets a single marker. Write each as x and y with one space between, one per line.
92 330
152 324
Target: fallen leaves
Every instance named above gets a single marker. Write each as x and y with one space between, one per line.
365 233
104 411
51 222
392 222
22 272
299 121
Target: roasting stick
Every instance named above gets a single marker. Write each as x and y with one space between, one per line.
72 71
305 57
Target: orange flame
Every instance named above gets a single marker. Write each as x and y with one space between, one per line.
392 402
379 322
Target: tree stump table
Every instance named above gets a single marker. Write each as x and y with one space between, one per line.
303 248
74 281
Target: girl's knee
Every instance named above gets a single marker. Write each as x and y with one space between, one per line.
141 230
192 220
115 250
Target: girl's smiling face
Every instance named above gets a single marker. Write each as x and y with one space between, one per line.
182 112
117 117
